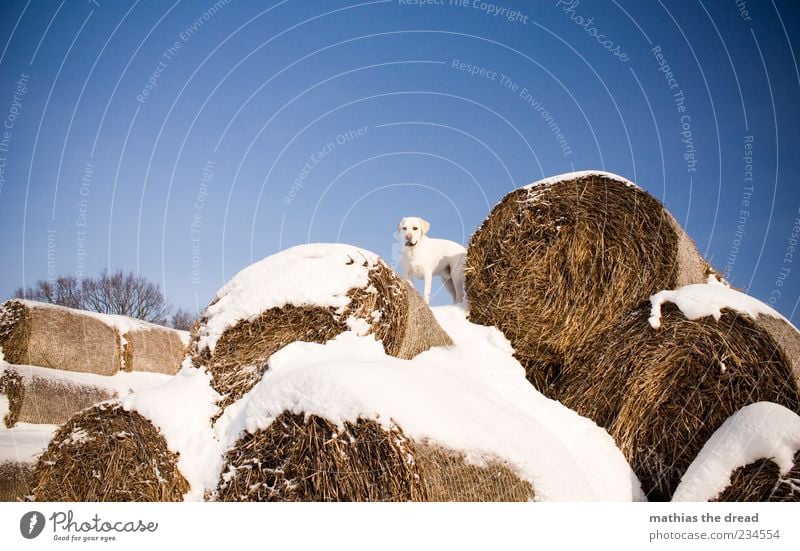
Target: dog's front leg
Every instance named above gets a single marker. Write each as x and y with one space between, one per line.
427 291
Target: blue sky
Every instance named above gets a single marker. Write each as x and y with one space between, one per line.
184 140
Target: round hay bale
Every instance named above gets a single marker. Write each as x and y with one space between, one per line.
15 482
753 456
153 349
33 333
46 400
763 481
307 293
661 393
558 261
108 454
311 459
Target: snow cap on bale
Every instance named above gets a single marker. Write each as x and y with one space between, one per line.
307 293
108 454
557 262
458 423
672 370
753 456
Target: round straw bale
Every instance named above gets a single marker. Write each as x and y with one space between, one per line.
32 333
557 262
14 480
311 459
153 349
762 481
661 393
46 400
382 304
108 454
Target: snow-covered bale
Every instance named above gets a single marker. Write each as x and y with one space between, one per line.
46 400
153 348
307 293
297 459
472 426
753 456
558 261
51 396
33 333
672 371
108 454
312 459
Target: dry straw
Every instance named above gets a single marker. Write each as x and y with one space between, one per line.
59 338
299 459
108 454
46 400
403 322
661 393
14 480
153 349
762 481
556 264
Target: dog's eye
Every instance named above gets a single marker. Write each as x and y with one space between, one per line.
415 228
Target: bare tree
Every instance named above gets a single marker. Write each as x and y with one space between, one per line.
183 319
126 295
117 293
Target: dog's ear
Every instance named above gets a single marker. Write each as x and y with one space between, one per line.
425 226
400 224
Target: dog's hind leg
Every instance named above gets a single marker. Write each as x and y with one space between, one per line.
457 273
448 283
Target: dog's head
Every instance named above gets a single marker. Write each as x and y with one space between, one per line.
412 229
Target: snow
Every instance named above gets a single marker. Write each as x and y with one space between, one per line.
121 383
471 397
182 410
123 324
708 299
757 431
25 442
580 174
318 274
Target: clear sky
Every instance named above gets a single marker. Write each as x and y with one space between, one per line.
186 139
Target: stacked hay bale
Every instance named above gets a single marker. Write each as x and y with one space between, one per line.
151 348
344 421
672 370
314 293
63 361
46 335
309 293
557 262
46 396
33 333
41 395
108 454
753 456
311 459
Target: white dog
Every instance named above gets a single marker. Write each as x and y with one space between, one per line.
425 257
